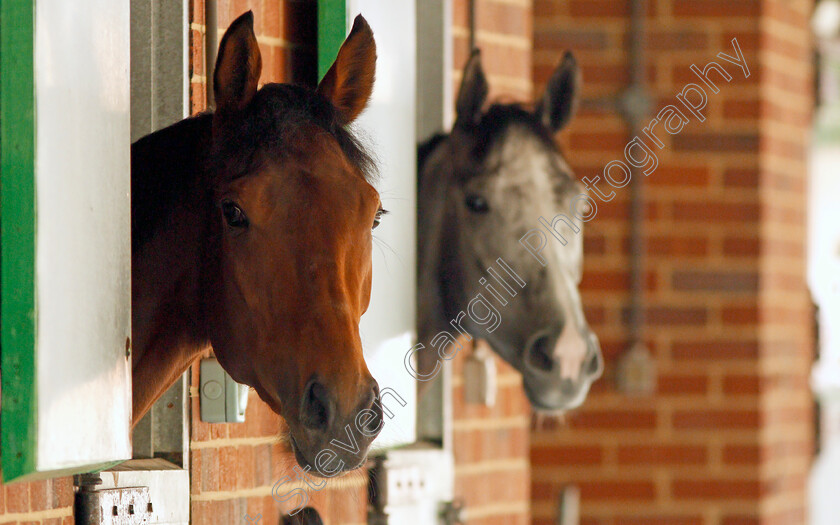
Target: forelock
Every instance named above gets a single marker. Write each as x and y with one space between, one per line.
270 121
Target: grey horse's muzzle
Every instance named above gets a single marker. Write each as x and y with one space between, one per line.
546 389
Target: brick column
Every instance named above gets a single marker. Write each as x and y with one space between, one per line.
786 102
727 437
491 444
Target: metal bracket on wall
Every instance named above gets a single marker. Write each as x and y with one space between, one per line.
223 400
568 506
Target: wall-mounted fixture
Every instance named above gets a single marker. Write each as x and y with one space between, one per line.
480 375
223 400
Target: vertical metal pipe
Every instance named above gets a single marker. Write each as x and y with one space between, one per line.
638 42
211 45
635 109
471 7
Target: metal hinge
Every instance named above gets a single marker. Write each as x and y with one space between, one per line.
122 506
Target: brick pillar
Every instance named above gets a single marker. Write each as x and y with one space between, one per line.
491 444
785 314
727 437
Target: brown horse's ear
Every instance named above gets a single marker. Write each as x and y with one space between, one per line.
472 93
349 82
238 66
557 105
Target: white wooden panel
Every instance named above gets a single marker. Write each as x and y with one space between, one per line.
388 327
83 241
824 281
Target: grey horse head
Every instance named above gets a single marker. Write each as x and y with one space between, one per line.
491 245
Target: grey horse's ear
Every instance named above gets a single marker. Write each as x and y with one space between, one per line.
472 93
557 105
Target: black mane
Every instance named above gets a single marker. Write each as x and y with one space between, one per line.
485 134
277 111
165 167
491 127
500 117
425 148
170 163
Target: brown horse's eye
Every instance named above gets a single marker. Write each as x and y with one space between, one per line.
234 215
378 218
477 203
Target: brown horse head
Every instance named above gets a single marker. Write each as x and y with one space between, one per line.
287 275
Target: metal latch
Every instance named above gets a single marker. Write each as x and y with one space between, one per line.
122 506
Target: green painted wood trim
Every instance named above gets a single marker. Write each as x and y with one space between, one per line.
17 237
332 28
59 473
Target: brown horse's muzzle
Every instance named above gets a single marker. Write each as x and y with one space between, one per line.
332 442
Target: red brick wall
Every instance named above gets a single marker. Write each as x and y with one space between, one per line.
491 444
491 449
727 437
504 31
47 502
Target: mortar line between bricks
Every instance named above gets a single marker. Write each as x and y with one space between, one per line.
263 39
493 37
498 509
502 381
483 467
276 41
236 442
482 424
63 512
520 3
266 490
500 81
243 493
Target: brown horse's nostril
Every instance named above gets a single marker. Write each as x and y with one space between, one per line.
367 424
374 391
540 355
317 408
308 516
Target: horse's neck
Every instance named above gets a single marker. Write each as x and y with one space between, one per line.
168 239
432 199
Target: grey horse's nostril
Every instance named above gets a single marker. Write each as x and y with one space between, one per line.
316 410
540 354
594 365
567 387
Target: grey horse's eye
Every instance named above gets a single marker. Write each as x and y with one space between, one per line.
477 203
